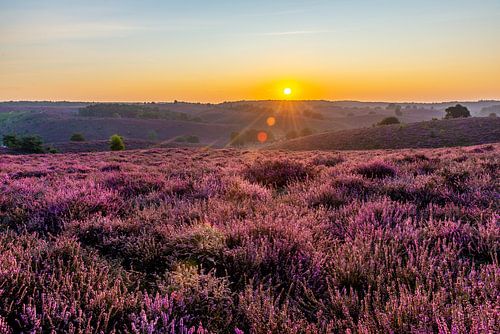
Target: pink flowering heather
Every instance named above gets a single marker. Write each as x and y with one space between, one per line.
198 241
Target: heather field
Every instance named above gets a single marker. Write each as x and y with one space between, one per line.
231 241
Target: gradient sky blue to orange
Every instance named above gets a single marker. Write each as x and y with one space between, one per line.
212 51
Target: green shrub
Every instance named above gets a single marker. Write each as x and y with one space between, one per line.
77 137
25 144
116 143
10 141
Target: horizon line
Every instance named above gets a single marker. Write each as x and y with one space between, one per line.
253 100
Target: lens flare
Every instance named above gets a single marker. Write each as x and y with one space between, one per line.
271 121
262 137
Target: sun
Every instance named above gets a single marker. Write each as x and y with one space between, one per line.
287 91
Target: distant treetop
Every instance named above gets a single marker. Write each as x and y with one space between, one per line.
458 111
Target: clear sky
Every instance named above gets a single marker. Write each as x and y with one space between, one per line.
209 51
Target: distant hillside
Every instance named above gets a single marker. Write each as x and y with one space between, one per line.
486 111
213 124
103 145
439 133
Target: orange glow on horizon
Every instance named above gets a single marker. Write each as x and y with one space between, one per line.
138 87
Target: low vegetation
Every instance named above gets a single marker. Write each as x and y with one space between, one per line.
116 143
389 120
436 133
144 111
24 144
188 139
77 137
228 241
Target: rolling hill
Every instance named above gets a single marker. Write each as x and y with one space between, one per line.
438 133
213 124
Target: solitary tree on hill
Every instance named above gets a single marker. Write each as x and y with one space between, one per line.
116 143
458 111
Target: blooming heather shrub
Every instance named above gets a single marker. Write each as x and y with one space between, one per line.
455 178
157 315
327 196
201 244
239 190
263 313
328 160
58 286
414 157
353 185
48 206
110 168
28 174
186 241
206 298
133 184
4 326
277 173
376 170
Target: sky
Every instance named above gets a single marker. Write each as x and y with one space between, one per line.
222 50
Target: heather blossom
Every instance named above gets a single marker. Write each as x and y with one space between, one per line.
230 241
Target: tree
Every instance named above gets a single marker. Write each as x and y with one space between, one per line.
10 141
77 137
31 144
389 121
116 143
25 144
492 115
458 111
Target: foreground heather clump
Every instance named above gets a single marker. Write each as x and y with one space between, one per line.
225 241
277 173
